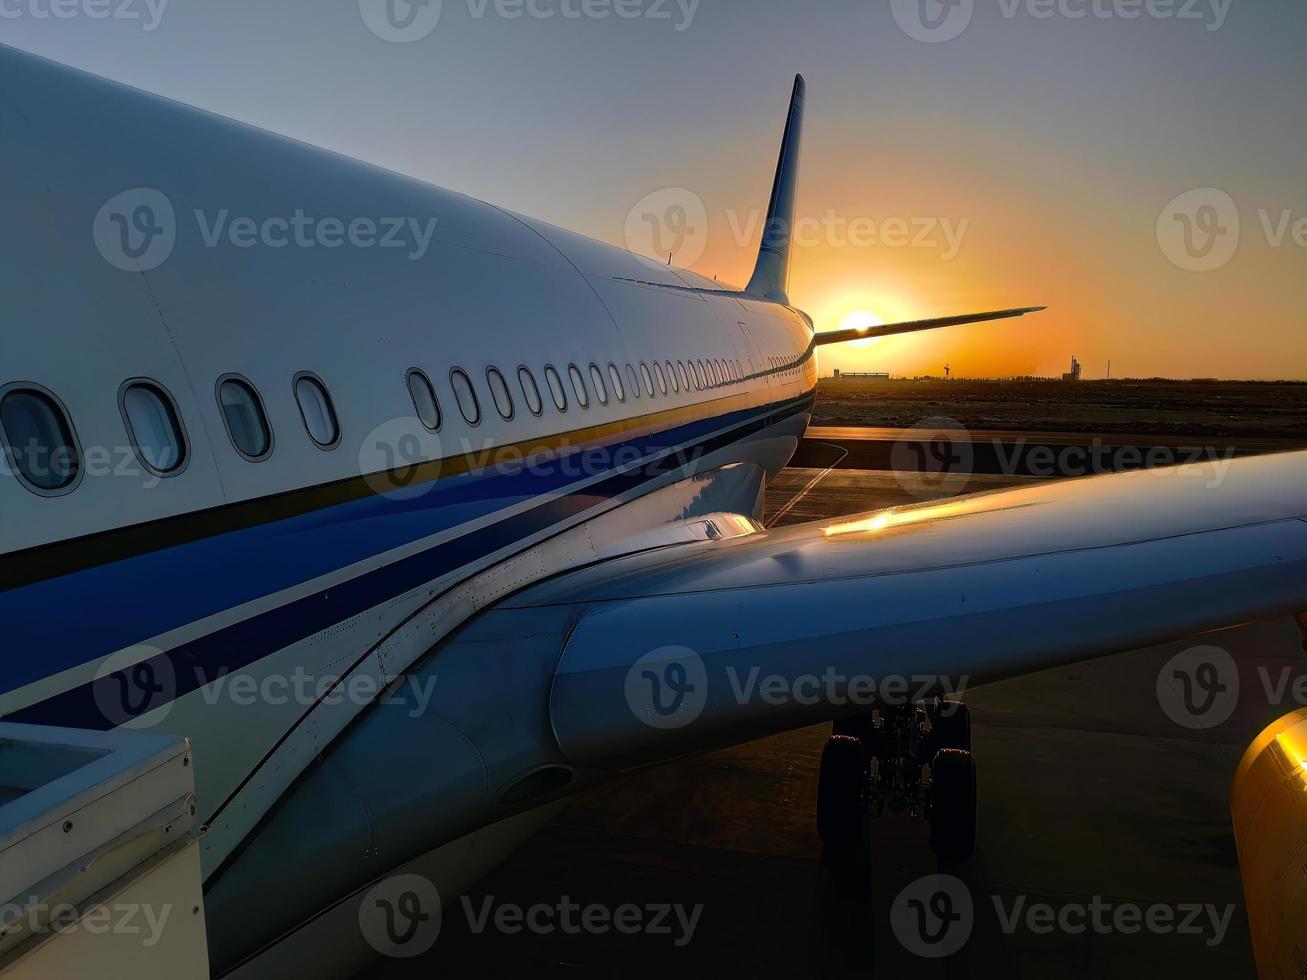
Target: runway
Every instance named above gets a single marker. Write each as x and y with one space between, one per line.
1089 795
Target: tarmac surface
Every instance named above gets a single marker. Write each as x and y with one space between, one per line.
1104 846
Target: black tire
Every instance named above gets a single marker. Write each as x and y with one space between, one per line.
953 805
858 726
841 793
950 726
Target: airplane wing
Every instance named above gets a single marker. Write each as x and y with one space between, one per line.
913 326
700 645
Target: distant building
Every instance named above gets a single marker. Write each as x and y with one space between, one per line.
1077 370
860 376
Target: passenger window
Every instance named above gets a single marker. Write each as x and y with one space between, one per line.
662 378
601 390
317 411
529 391
680 369
633 382
700 375
556 390
424 400
615 376
39 440
578 386
499 392
647 378
247 423
154 427
465 395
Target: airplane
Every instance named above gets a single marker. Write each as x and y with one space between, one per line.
414 544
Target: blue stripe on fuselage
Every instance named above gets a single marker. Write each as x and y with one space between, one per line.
110 607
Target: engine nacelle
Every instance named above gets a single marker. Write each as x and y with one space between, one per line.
1268 804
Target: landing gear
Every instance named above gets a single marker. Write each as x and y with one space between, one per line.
911 759
953 805
842 793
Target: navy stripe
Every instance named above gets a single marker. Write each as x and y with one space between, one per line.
117 698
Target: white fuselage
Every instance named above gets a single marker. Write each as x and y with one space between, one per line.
311 567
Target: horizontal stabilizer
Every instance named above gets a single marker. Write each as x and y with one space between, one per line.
912 326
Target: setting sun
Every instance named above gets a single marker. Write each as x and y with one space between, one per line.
859 319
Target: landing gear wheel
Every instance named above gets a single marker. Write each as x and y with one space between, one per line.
842 793
950 725
861 727
953 805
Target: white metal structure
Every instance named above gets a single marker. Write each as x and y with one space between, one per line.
270 475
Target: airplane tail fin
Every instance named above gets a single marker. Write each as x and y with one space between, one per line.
771 276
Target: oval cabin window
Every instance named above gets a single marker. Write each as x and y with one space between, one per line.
424 400
500 393
316 410
601 390
556 390
39 440
529 391
247 424
155 429
465 395
578 386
